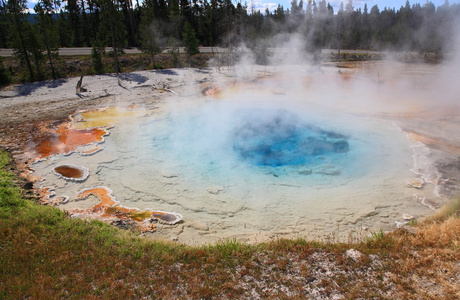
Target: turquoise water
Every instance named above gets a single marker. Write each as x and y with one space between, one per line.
222 141
275 138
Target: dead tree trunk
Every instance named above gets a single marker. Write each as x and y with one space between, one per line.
79 83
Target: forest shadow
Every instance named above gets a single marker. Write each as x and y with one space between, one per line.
128 77
166 72
27 88
134 77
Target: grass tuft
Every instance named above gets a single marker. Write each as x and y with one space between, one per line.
450 209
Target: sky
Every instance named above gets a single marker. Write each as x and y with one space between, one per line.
273 4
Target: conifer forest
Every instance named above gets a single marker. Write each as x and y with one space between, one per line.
154 25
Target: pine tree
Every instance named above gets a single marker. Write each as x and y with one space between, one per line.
73 19
129 20
3 25
191 43
151 41
173 46
175 18
151 35
20 33
112 27
47 31
96 55
36 50
4 76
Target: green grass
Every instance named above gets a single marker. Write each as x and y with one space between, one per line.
44 254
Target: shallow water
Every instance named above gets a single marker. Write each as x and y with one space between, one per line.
226 168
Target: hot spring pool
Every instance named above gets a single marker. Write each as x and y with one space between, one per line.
252 170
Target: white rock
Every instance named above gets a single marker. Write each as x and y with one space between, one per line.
400 224
407 217
353 254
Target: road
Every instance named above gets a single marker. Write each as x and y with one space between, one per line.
87 51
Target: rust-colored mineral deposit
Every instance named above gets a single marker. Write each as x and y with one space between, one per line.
104 194
110 210
63 140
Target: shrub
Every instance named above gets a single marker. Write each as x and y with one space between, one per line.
4 75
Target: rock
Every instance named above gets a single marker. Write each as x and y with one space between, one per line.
353 254
328 170
123 224
167 174
28 185
400 224
197 225
215 189
370 213
407 217
417 183
305 172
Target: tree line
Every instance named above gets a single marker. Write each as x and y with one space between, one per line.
156 24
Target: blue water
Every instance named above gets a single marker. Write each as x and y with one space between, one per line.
283 139
221 143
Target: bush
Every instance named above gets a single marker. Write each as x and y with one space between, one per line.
4 75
